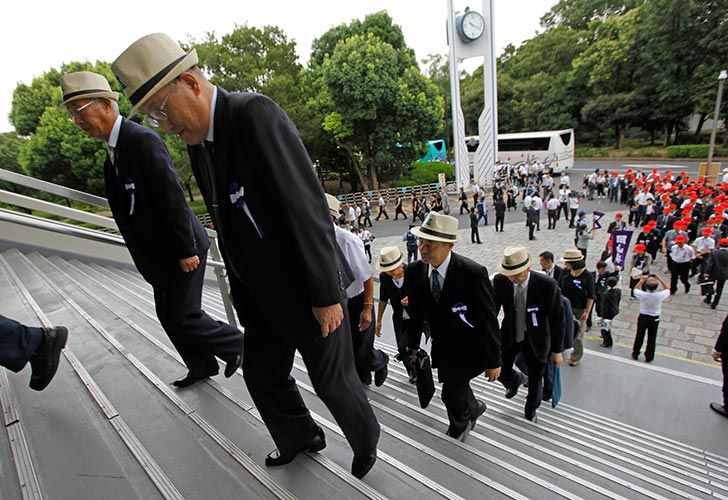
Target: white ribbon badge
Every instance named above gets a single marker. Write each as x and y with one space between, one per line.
460 309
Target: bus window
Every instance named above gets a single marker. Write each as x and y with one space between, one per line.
528 144
566 138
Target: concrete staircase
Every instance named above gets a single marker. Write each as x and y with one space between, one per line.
111 426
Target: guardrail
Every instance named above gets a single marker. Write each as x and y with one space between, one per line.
389 194
109 231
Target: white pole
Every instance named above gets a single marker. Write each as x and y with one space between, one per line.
721 78
462 164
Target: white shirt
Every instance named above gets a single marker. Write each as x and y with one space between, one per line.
574 202
211 126
441 271
114 135
651 302
537 202
352 213
725 177
552 204
565 180
527 201
353 249
704 243
366 237
682 255
381 201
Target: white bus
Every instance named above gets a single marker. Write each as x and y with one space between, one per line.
553 148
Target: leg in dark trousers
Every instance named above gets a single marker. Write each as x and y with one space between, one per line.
573 216
724 366
368 251
643 323
18 343
718 292
632 283
398 212
680 270
509 377
268 359
197 337
474 235
499 223
411 255
652 325
531 227
460 403
366 358
536 371
669 261
565 208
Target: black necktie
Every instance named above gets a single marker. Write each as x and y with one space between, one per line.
436 290
208 148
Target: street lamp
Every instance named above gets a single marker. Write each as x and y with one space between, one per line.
721 78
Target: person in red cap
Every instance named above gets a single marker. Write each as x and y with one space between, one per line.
717 269
650 238
682 255
640 265
703 247
617 224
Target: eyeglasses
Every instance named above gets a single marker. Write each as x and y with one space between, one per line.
155 117
76 113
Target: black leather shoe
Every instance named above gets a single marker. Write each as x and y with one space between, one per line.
360 466
635 356
44 362
719 409
318 443
192 379
381 375
511 393
481 409
232 366
531 415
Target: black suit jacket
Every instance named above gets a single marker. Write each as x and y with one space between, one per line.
717 266
389 292
721 344
277 239
461 348
545 333
149 206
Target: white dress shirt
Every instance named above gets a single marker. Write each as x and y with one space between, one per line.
441 271
211 126
651 302
353 249
682 255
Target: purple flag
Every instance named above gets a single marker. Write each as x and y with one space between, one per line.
620 246
597 217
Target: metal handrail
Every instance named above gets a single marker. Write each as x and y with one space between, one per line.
59 227
49 187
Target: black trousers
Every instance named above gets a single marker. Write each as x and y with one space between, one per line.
646 324
499 220
382 211
573 216
719 284
412 254
460 404
553 216
724 366
366 358
474 234
565 207
368 252
531 227
536 369
18 343
197 337
267 363
680 270
398 211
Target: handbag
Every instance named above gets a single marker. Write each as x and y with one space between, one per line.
635 273
706 285
425 382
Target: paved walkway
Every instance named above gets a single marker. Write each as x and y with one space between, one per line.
688 327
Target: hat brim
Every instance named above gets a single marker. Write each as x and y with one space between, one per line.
90 95
392 266
571 259
516 270
186 63
425 236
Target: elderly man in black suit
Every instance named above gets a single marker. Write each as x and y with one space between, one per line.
166 241
287 275
719 351
533 324
455 296
717 269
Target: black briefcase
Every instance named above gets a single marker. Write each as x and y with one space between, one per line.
425 383
706 285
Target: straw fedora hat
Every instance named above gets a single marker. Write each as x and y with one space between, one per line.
572 255
438 227
149 64
390 258
334 205
515 260
85 85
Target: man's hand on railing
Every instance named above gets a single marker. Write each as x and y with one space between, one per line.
189 264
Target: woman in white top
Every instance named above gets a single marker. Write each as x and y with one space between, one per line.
650 309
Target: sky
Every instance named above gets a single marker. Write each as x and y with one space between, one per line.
37 36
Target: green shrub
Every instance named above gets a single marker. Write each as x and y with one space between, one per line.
591 152
647 152
694 151
424 173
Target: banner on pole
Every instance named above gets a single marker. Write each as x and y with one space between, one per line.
597 217
620 246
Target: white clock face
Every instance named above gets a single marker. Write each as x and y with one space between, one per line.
473 25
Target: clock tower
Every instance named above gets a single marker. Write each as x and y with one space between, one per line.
469 35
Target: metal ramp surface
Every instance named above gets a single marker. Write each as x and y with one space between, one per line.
111 426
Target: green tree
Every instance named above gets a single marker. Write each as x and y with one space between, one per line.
577 14
381 112
10 145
